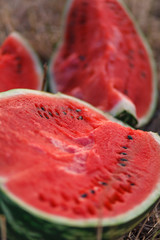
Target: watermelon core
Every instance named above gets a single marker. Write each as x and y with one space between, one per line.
105 61
19 65
63 158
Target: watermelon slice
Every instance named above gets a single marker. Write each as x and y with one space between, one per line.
105 60
19 65
67 169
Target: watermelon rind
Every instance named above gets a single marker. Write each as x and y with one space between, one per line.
25 221
33 55
125 110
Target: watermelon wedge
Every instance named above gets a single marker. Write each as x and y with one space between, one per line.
66 169
105 60
19 65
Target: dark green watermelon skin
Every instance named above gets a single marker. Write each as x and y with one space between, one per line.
21 225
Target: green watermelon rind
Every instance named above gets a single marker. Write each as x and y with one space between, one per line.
24 223
125 111
26 220
37 64
125 107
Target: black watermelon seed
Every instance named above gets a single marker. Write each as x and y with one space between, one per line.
78 110
103 183
64 113
124 147
132 184
50 114
43 108
19 67
84 3
122 164
92 191
123 153
74 13
84 195
123 159
82 58
83 19
57 113
40 114
80 118
131 65
143 74
130 137
130 54
46 116
126 91
72 36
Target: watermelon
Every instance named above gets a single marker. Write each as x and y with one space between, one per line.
105 60
19 65
67 170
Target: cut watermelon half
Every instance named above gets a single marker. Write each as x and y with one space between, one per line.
105 60
65 166
19 65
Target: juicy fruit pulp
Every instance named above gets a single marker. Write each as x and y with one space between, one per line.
63 157
19 66
103 60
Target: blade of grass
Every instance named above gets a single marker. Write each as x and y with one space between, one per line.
3 227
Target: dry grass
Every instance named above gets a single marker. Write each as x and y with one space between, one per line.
148 229
39 21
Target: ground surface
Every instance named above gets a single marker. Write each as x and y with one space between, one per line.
39 21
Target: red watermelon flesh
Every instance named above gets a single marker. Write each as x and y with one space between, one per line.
19 65
64 158
103 59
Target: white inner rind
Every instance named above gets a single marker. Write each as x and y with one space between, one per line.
124 105
155 136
